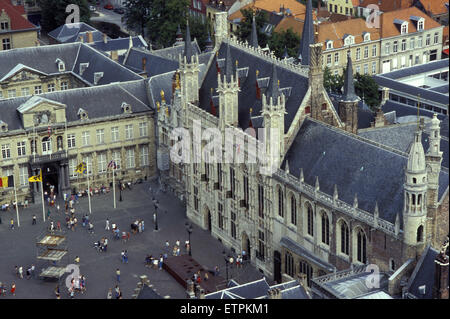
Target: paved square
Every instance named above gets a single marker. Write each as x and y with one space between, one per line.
18 246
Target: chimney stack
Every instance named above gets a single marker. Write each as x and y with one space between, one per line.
90 37
115 55
105 38
81 38
144 63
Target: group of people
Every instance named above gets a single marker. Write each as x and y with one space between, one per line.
155 263
137 226
77 284
102 244
29 273
4 289
117 293
176 251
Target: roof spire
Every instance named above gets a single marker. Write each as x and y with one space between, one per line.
285 53
179 37
188 51
273 89
349 87
229 65
254 34
208 43
307 35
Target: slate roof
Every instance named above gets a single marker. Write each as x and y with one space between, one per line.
365 115
355 164
250 290
119 44
416 69
400 136
43 59
71 32
411 90
247 95
98 102
155 64
173 52
423 274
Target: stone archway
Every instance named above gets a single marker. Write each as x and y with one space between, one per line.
207 218
246 245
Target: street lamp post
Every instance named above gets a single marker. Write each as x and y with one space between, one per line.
189 230
120 189
155 215
228 260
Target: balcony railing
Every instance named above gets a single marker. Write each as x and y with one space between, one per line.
41 159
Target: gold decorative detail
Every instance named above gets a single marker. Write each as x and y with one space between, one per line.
167 111
162 96
278 83
251 111
177 81
157 106
237 62
257 72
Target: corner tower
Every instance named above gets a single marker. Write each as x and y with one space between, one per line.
348 105
189 69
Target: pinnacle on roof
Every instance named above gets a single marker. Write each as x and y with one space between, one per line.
273 91
188 50
229 65
208 43
307 35
349 87
416 158
254 34
179 34
285 53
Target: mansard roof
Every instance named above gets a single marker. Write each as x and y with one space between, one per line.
71 32
99 102
249 63
42 59
356 165
119 44
154 65
174 51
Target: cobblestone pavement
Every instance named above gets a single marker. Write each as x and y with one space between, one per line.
18 246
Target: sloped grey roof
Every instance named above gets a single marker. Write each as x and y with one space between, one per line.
423 274
98 102
420 68
247 96
354 286
43 59
148 293
250 290
119 44
400 136
155 64
174 52
71 32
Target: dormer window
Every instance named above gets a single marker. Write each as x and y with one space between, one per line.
329 44
421 25
97 77
83 67
404 28
126 108
4 25
61 65
366 36
349 39
82 114
3 127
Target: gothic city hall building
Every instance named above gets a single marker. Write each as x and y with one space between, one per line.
335 196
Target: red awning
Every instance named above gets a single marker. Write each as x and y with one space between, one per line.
445 51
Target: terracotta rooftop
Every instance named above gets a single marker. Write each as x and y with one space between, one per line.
390 29
290 22
18 22
296 8
435 6
388 5
336 32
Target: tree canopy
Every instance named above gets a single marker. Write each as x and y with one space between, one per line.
245 26
54 12
367 89
285 39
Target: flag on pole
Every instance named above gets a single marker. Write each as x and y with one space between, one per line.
112 164
7 181
81 168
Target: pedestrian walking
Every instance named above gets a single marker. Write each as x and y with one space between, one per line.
109 295
117 292
161 260
167 245
32 270
122 256
177 243
206 277
125 257
107 224
142 222
58 225
118 274
216 271
12 223
28 273
34 220
77 260
21 272
13 289
57 293
57 208
105 244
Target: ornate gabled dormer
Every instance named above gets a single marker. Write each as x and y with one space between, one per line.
348 39
82 114
126 108
61 65
366 36
83 67
37 111
419 22
329 44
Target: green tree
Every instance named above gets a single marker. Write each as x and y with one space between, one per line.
366 88
333 83
54 12
245 26
137 13
285 39
199 31
165 15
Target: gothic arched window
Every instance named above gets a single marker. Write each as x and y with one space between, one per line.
325 229
280 203
420 234
345 236
361 247
310 218
305 268
293 210
289 264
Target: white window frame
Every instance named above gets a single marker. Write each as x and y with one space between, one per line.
143 129
64 85
12 93
129 131
21 148
25 91
6 151
115 134
374 67
88 160
101 162
86 138
130 158
358 54
23 175
374 50
73 167
144 155
117 157
100 136
51 87
38 89
71 142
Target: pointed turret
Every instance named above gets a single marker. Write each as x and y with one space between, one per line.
349 86
229 65
208 43
130 43
273 90
285 53
188 50
254 34
307 36
302 177
376 215
286 168
335 193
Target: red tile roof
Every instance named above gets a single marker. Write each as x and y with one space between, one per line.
18 22
435 6
388 5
